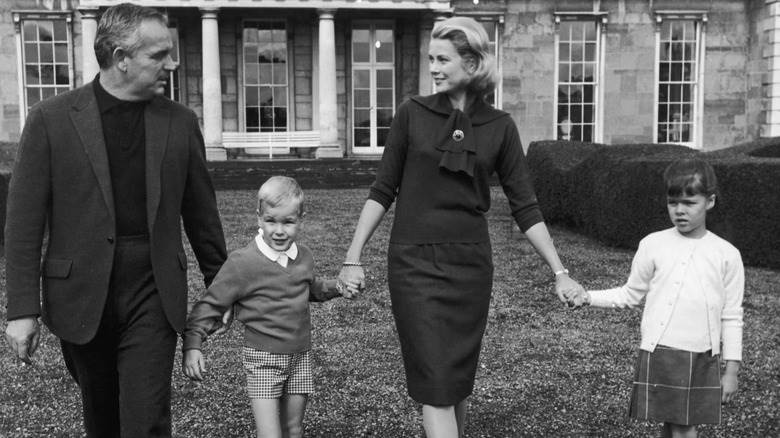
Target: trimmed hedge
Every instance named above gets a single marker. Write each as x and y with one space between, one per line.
616 193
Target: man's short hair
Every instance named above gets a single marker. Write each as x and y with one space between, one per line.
118 27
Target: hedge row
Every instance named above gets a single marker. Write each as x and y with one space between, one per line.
616 193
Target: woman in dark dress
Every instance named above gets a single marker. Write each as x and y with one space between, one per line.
440 153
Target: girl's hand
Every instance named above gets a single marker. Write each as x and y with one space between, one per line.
729 384
193 364
567 289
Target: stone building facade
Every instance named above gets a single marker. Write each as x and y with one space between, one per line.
704 73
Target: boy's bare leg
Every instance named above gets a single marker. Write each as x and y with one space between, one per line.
292 410
679 431
461 410
440 421
266 412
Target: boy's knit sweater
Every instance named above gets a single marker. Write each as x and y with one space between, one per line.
271 301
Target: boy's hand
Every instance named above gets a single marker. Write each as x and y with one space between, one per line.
729 381
193 364
351 281
227 321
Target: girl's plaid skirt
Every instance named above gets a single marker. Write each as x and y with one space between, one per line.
269 375
676 386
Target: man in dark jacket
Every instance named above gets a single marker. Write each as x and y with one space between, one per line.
105 175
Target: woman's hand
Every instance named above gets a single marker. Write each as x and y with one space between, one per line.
567 289
353 277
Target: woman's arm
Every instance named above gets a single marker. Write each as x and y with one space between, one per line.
352 273
565 286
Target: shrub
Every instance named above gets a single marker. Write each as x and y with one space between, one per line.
616 193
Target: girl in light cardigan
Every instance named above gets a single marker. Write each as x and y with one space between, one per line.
693 282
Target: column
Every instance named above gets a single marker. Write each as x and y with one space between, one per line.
328 109
212 86
89 64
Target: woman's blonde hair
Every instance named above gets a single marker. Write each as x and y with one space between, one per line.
472 44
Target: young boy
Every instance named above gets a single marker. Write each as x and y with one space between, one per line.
693 282
270 283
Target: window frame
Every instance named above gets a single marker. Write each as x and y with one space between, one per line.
699 19
290 123
19 18
600 20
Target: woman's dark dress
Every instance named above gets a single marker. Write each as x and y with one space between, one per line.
436 166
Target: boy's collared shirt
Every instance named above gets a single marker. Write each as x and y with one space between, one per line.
275 256
659 271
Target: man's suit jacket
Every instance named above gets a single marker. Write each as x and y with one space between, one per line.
61 184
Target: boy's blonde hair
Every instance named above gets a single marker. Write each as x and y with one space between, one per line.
473 45
279 190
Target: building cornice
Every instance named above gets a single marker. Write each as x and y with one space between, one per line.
425 5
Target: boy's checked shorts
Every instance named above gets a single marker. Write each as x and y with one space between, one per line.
270 375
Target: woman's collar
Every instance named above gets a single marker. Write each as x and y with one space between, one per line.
479 112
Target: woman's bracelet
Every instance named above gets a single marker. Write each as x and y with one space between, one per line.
352 264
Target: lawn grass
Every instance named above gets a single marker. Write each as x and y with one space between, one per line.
544 371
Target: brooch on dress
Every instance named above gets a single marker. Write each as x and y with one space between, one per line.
457 135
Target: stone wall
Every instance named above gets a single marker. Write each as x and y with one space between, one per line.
732 69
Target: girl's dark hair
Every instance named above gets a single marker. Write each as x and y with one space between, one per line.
689 177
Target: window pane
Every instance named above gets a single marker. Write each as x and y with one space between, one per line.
264 74
384 117
30 31
280 74
33 96
563 72
362 79
360 45
384 46
280 118
362 118
362 98
45 31
32 75
280 96
30 53
384 98
266 96
252 119
384 78
250 96
61 52
62 74
47 53
362 137
251 75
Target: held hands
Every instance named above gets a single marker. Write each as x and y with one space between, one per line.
351 281
23 336
193 365
570 292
